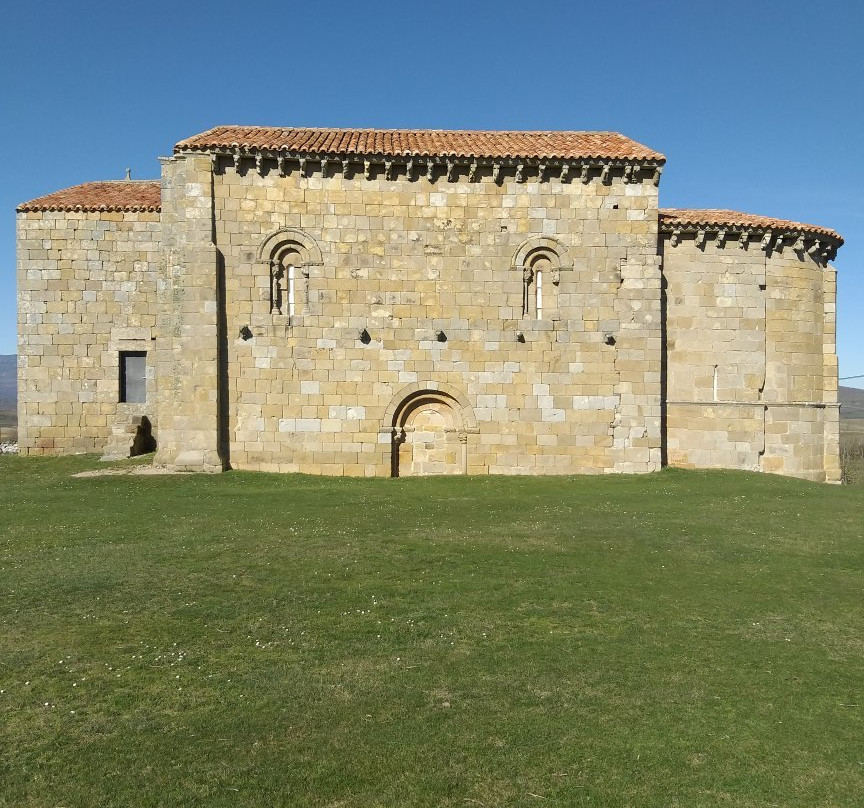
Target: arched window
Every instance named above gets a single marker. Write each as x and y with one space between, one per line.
285 268
289 255
538 270
541 274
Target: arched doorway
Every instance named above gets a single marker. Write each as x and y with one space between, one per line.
428 436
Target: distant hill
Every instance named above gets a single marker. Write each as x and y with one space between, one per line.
852 400
8 381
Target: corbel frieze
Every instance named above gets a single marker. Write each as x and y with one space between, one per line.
770 239
477 169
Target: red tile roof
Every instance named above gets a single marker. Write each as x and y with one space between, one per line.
425 142
687 217
108 197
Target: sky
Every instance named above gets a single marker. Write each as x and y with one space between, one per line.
757 105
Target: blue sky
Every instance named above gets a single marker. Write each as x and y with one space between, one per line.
757 105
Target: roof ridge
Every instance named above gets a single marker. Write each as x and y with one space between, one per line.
409 129
529 144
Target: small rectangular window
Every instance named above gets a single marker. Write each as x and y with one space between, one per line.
133 377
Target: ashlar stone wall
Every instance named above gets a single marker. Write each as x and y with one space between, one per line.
402 346
86 292
751 368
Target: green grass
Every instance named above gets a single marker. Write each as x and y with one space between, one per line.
677 639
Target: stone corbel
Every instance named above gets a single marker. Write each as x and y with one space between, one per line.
324 164
700 238
798 246
676 237
430 169
744 239
281 163
556 276
409 169
496 172
472 171
778 245
584 175
605 173
658 170
451 168
388 169
238 156
628 174
541 171
721 237
345 166
766 240
565 172
302 166
367 169
259 163
520 168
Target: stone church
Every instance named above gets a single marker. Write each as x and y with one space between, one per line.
395 302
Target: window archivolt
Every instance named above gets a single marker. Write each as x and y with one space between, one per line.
540 260
289 255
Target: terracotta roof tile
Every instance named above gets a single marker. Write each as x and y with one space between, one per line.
425 142
687 217
120 195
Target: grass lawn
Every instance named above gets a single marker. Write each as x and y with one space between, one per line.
677 639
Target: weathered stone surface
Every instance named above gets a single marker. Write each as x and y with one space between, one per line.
389 322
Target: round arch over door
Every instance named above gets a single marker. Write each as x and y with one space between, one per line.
429 435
